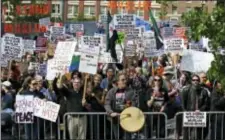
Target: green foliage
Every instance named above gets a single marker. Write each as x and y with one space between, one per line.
211 25
121 37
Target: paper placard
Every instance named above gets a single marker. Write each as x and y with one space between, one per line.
76 28
122 21
167 31
194 119
174 44
4 62
130 48
149 43
12 47
24 109
88 63
45 109
45 21
29 45
56 31
91 44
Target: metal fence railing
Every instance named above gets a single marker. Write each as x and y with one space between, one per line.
94 126
214 130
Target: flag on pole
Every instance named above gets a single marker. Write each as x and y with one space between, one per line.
159 39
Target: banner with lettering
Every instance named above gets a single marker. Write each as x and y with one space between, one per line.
24 109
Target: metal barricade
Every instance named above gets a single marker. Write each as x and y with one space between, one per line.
99 126
214 130
39 129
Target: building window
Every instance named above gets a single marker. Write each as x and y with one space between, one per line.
73 10
103 10
56 8
140 12
89 11
174 10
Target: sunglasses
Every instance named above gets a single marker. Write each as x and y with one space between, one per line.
34 83
156 79
123 79
195 80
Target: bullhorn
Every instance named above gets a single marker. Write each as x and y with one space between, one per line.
132 119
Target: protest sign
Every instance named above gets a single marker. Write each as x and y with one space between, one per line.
45 21
51 70
41 43
122 21
179 32
42 69
45 109
29 45
24 109
34 66
193 61
4 62
75 63
76 28
12 47
167 31
133 33
173 44
56 31
195 46
130 48
61 62
91 44
194 119
88 63
149 44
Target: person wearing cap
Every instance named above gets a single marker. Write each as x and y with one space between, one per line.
6 104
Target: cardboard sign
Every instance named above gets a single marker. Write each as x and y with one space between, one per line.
45 109
194 119
174 44
12 47
124 21
24 109
76 28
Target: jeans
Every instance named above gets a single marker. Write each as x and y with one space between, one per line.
35 130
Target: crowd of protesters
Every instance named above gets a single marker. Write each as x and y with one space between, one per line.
157 85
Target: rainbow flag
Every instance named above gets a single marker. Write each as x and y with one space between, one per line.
75 63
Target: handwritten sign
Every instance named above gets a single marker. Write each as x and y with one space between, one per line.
91 44
24 109
130 48
76 28
12 46
4 62
149 44
194 119
174 44
124 21
88 63
167 31
46 109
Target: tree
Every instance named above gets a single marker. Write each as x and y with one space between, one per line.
211 25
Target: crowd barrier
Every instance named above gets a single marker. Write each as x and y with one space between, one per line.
95 125
214 130
100 126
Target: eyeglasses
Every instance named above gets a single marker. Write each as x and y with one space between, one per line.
123 80
195 80
34 83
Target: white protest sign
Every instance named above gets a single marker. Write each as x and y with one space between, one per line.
4 62
24 109
51 70
167 31
133 33
194 119
29 45
149 44
76 28
130 48
45 109
56 31
193 61
91 44
63 56
34 66
88 63
122 21
45 21
174 44
12 46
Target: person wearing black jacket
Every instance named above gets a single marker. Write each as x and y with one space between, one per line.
38 122
217 120
77 124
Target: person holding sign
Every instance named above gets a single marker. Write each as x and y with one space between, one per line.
77 124
195 98
38 124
